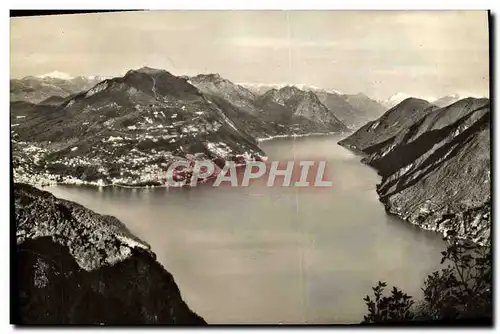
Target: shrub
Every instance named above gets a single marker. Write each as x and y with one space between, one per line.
462 290
393 308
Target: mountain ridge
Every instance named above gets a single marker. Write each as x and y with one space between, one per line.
435 167
36 89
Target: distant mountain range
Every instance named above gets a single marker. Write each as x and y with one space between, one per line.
395 99
56 75
128 130
36 89
447 100
434 162
440 102
352 110
261 88
288 111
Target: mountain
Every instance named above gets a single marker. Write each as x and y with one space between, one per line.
368 108
36 89
378 131
266 116
124 131
441 102
215 85
53 100
352 110
56 75
67 77
239 104
300 107
261 88
395 99
434 163
344 111
75 266
399 97
446 100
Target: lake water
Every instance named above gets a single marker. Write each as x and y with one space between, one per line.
276 255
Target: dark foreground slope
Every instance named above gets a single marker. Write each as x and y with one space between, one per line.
434 163
75 266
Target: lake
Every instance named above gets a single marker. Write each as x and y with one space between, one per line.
276 255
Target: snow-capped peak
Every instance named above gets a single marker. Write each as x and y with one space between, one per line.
316 89
395 99
400 96
261 87
97 77
57 75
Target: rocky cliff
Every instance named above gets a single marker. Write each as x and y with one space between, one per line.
434 163
75 266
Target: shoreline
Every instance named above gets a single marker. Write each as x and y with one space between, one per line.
312 134
46 183
96 185
439 231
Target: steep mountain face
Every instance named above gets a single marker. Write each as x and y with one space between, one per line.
36 89
75 266
435 168
124 131
302 106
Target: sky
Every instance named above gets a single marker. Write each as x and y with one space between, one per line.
420 53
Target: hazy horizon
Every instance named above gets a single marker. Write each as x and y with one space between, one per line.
421 53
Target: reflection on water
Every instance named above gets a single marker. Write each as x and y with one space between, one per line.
271 255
